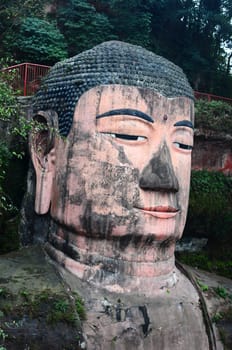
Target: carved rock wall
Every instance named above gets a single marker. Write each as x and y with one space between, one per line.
212 152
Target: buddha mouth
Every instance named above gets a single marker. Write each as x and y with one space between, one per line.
161 212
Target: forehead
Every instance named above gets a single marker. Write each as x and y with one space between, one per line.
102 99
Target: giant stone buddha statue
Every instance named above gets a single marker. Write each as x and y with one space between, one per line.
113 170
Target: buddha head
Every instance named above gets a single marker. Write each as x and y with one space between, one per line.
113 165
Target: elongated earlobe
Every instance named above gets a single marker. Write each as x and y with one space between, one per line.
42 142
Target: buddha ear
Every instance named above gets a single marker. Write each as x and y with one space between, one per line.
42 143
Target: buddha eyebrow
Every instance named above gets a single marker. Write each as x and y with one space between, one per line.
184 123
126 111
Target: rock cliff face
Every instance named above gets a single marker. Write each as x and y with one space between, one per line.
212 151
37 310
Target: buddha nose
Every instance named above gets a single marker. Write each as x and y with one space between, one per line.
158 174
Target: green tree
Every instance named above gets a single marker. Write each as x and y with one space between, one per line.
12 12
82 26
210 206
8 111
38 41
193 34
131 20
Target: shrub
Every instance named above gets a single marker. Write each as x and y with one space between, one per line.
37 40
8 111
210 206
213 115
13 127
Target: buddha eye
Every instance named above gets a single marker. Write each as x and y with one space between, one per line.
183 146
126 137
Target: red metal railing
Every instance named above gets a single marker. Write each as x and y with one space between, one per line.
27 77
210 97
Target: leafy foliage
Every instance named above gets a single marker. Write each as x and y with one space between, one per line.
8 110
80 308
13 127
220 264
82 26
213 115
193 34
205 182
12 12
38 41
131 20
210 206
8 105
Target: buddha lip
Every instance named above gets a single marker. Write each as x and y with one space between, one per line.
161 212
161 209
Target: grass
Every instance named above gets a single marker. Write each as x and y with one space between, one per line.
47 309
209 262
54 307
204 287
80 308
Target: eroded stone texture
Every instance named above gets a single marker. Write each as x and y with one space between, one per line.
117 191
170 318
108 210
213 153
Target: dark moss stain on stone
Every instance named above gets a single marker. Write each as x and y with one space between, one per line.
122 156
109 266
40 321
145 326
38 312
125 241
78 197
118 309
165 245
94 224
137 241
159 174
65 247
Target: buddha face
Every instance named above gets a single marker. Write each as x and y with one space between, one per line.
124 169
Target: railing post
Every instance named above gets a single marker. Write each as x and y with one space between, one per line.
25 82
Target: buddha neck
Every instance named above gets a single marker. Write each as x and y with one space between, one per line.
109 265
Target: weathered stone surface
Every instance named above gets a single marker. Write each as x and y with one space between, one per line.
32 296
217 293
33 228
212 152
173 318
114 320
